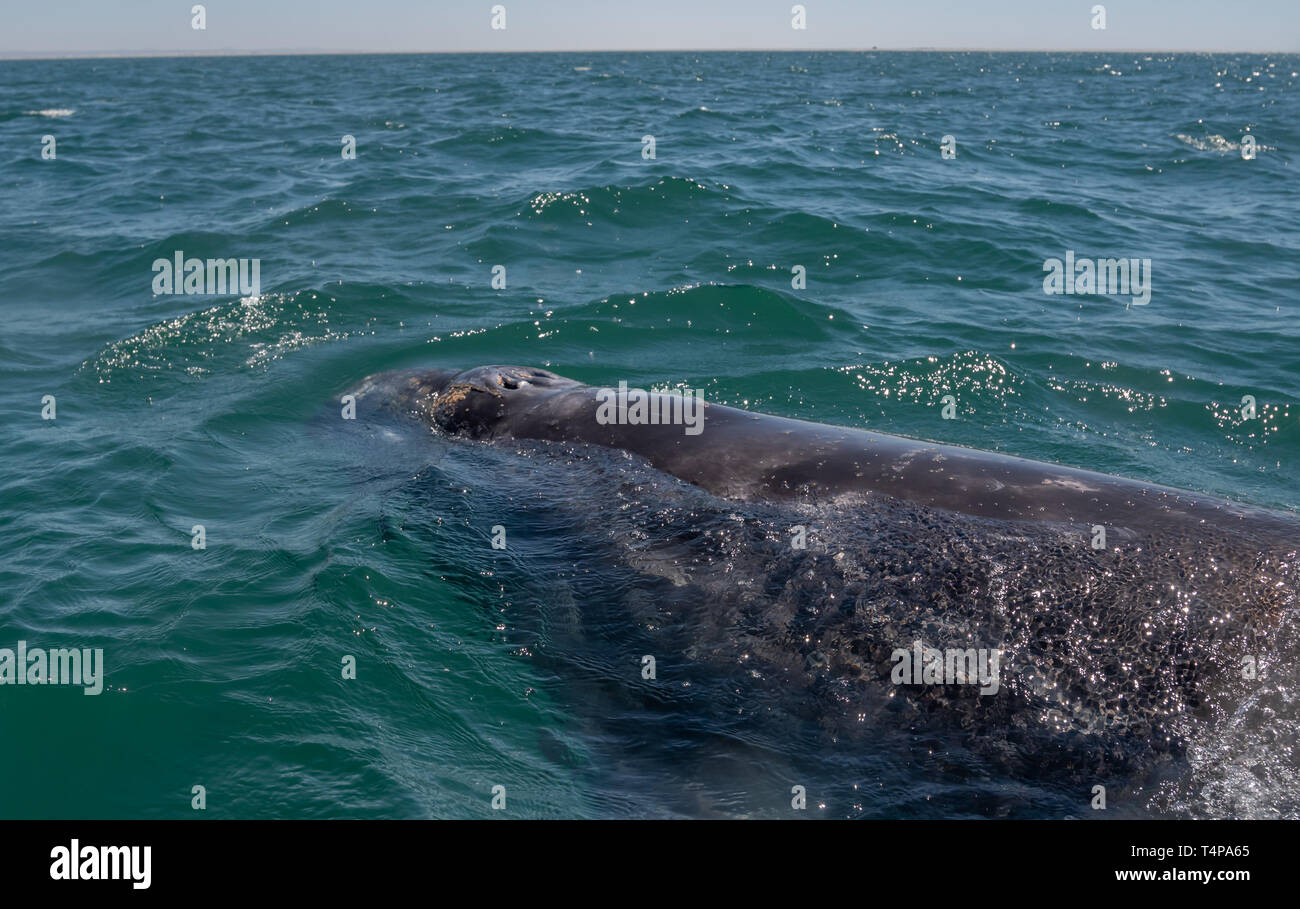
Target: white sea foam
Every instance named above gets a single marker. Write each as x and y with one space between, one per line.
1214 143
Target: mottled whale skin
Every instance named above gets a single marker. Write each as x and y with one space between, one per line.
746 455
1116 661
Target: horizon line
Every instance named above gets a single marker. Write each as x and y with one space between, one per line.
12 55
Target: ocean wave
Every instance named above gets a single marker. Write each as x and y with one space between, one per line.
254 330
610 200
1215 142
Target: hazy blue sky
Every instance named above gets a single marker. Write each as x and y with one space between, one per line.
116 26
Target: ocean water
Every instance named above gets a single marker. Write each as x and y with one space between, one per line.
520 668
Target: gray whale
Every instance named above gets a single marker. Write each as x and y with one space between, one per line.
745 455
1115 661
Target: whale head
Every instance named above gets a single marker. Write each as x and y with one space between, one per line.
473 402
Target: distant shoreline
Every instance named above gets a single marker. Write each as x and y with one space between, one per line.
11 55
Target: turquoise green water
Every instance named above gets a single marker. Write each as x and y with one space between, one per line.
924 278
